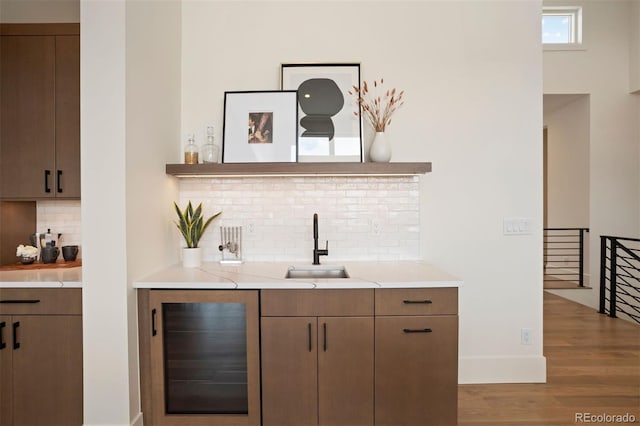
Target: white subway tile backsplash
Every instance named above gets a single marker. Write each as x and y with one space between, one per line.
61 216
276 214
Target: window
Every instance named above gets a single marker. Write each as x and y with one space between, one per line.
562 25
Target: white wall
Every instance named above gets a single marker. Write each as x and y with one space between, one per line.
473 108
130 125
29 11
104 274
153 43
634 47
568 164
602 71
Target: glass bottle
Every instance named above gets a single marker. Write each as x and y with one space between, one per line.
209 150
191 151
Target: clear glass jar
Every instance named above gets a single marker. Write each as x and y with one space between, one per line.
210 150
191 151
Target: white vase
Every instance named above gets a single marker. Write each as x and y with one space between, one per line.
380 151
191 257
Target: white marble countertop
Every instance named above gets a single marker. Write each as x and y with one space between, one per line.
42 278
271 275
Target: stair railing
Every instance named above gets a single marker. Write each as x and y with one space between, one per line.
564 250
620 277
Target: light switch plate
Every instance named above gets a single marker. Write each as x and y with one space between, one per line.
516 226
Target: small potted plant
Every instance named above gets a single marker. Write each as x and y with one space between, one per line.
192 225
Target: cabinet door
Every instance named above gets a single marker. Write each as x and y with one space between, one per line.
5 370
27 109
416 370
289 371
205 358
47 370
345 371
67 104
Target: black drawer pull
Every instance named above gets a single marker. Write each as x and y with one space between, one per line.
324 339
16 344
413 302
20 301
154 331
47 173
2 343
309 331
59 181
419 330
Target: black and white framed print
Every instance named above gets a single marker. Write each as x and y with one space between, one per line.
329 125
260 127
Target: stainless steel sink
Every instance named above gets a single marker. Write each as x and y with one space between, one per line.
316 271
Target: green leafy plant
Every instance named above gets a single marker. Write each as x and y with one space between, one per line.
192 224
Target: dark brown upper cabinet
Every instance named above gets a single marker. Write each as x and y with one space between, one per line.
40 111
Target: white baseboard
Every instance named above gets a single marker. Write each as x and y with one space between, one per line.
529 369
137 421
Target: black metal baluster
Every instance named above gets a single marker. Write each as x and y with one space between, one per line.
603 274
613 279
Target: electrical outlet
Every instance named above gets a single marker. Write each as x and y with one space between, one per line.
250 229
375 228
525 336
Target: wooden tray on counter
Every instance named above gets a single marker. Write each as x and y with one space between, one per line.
37 265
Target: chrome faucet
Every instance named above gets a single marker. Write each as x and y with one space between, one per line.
316 251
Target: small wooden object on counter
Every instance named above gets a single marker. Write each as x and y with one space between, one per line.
40 357
38 265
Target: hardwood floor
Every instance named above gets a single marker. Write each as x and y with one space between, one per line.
593 366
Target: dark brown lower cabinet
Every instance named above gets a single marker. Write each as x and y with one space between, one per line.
416 371
40 357
317 357
203 357
317 371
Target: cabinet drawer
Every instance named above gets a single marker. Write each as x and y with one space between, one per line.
348 302
416 301
41 301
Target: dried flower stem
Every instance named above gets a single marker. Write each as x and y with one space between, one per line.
377 109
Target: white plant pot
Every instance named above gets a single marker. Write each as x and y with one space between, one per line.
191 257
380 151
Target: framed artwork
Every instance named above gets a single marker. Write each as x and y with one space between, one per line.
330 125
260 127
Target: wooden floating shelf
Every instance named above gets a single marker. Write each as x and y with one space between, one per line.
297 169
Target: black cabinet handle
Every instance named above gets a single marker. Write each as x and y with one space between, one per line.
324 338
16 344
20 301
421 302
47 173
309 332
2 343
419 330
58 181
153 322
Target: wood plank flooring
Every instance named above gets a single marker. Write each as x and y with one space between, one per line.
593 366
